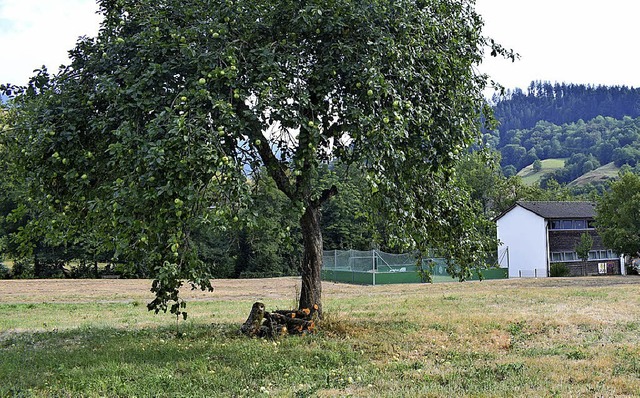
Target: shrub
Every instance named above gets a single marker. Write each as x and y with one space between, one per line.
84 269
23 268
5 272
559 270
632 269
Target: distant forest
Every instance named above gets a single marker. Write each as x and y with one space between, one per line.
590 125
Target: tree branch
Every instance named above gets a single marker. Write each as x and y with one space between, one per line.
261 143
325 195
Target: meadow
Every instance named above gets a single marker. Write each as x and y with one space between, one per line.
531 177
565 337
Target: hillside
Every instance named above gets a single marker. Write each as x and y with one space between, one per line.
531 177
552 166
597 176
596 129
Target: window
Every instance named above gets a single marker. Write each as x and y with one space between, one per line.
571 224
563 256
602 255
579 224
570 256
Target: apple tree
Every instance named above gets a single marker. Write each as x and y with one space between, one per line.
157 124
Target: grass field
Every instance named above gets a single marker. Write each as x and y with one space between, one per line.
530 177
565 337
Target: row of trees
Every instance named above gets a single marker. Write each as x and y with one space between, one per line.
562 103
264 245
262 241
617 215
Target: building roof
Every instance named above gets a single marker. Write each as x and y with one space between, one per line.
556 210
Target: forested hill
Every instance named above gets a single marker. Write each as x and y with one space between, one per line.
563 103
589 126
586 145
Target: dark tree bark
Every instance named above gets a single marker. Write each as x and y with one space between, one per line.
311 291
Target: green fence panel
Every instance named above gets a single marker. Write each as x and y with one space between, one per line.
358 278
385 278
495 273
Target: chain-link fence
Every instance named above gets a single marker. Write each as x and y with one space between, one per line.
373 267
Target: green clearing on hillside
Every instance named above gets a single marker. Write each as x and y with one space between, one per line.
530 177
516 338
599 175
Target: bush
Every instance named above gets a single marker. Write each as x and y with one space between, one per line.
559 270
23 268
5 273
537 165
84 269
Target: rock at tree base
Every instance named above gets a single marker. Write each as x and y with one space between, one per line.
261 323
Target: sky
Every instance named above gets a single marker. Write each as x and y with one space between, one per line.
41 32
571 41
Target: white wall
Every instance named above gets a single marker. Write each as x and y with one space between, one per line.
524 234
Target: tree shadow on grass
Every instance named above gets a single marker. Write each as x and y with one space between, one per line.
155 362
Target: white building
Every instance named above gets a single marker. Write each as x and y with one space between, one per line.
535 236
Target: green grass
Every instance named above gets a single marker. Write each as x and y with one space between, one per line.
553 337
530 177
208 360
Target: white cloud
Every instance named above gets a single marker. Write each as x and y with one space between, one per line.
41 32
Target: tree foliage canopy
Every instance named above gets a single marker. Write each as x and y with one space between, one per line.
173 106
562 103
618 219
583 246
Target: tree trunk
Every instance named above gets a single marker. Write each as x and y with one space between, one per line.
311 291
37 267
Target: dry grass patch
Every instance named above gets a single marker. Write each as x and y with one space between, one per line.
545 337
